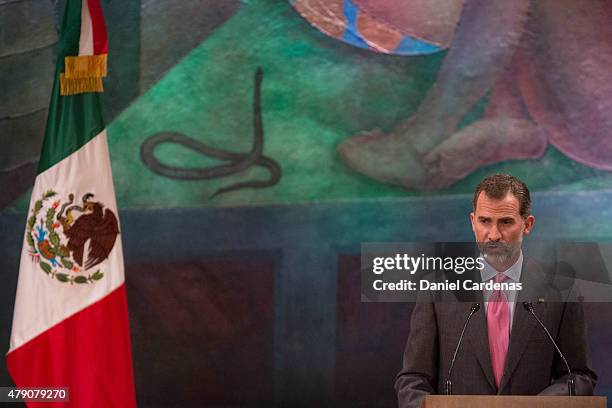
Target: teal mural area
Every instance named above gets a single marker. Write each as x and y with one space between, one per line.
316 94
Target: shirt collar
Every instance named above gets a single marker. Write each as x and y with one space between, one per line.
514 272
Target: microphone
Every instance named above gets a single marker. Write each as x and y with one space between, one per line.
571 386
448 389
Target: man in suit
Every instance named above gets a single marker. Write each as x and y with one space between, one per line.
504 351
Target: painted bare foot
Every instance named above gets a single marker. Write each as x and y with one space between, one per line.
485 142
390 159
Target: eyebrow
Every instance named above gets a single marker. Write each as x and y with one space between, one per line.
482 217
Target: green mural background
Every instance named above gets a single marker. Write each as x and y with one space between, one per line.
317 92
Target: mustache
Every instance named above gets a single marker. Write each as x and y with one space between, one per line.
507 247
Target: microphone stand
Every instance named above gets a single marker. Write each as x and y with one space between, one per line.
571 385
448 387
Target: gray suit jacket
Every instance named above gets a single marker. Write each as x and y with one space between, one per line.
532 365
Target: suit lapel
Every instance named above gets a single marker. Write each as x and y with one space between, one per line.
523 323
479 340
477 333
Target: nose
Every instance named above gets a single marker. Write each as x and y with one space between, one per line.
494 234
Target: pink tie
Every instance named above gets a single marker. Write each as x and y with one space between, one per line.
498 324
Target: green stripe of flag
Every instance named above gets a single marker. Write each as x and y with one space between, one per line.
75 119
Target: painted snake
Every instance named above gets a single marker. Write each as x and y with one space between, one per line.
237 162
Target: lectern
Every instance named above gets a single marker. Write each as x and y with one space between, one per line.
511 401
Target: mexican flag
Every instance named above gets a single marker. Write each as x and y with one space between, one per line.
70 323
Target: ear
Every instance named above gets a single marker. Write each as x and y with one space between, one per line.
472 221
529 221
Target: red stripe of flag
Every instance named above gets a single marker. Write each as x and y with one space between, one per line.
100 37
88 352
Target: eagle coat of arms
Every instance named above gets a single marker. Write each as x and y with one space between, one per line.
68 240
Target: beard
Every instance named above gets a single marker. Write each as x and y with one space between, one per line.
499 253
